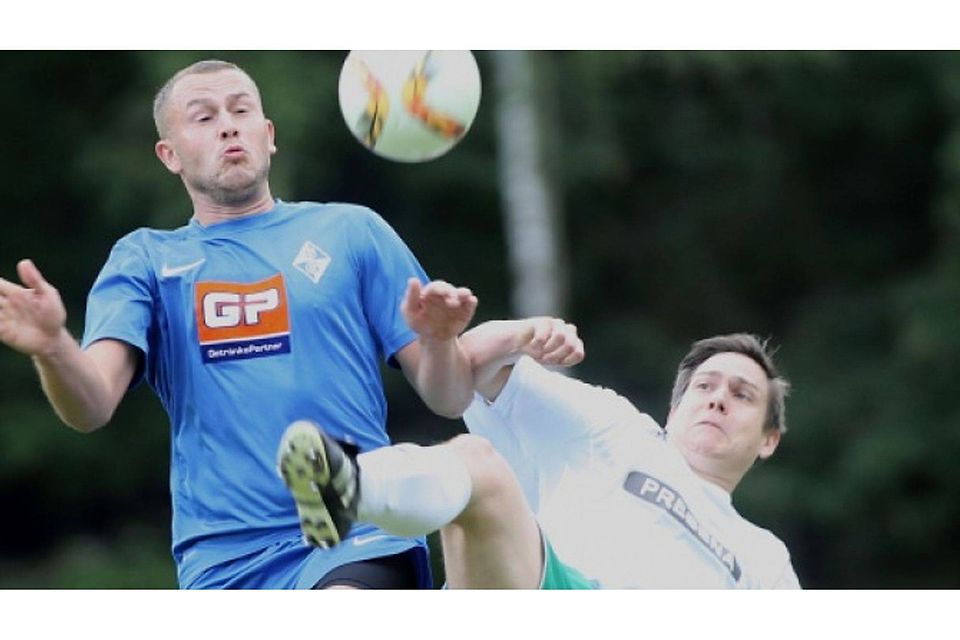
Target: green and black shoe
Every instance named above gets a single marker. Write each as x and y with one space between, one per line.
324 481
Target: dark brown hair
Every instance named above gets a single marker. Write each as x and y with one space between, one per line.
750 346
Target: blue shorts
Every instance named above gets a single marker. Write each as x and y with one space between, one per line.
292 564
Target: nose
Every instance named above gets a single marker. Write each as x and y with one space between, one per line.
227 128
718 402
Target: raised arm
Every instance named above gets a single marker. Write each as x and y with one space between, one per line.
533 417
435 364
84 387
493 347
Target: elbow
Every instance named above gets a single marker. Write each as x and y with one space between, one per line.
86 424
454 408
452 414
84 427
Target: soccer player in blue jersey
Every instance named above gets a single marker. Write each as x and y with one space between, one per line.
255 313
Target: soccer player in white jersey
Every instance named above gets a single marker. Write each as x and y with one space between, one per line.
570 486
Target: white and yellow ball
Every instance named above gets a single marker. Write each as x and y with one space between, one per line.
409 106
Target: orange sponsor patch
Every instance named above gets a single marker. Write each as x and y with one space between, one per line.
237 320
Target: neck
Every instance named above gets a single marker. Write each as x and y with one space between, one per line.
723 482
706 467
208 212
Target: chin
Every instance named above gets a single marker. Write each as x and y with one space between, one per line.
240 197
237 190
706 444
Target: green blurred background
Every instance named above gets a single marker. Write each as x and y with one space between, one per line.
812 197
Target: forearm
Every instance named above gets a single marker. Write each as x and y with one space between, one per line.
74 385
444 378
492 348
435 363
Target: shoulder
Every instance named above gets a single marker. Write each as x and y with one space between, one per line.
137 244
136 253
597 403
146 242
146 238
767 539
782 574
343 211
358 224
769 550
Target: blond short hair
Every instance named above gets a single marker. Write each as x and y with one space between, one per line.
163 95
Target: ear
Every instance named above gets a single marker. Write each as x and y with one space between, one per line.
168 156
769 443
271 133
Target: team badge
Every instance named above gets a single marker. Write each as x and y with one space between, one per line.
237 321
312 261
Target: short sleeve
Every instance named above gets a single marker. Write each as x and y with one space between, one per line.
386 264
120 304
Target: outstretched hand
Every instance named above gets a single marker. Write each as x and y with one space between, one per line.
438 311
553 342
32 316
496 345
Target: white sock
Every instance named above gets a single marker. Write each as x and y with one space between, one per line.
411 490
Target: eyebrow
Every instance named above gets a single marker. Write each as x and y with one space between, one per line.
738 379
233 97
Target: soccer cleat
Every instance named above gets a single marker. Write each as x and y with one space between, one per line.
324 481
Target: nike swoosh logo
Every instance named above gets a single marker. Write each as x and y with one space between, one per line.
359 541
169 272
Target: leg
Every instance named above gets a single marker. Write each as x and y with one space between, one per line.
468 491
388 572
495 541
464 488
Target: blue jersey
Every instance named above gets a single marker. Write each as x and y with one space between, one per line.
246 326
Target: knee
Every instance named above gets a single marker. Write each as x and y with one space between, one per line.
476 450
490 474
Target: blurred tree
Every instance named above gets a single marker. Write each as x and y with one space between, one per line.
539 277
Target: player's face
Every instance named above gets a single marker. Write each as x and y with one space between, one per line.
718 423
218 139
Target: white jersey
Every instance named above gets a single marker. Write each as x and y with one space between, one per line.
616 500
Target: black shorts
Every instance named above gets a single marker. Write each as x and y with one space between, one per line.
388 572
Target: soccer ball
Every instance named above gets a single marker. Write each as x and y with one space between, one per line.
409 106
